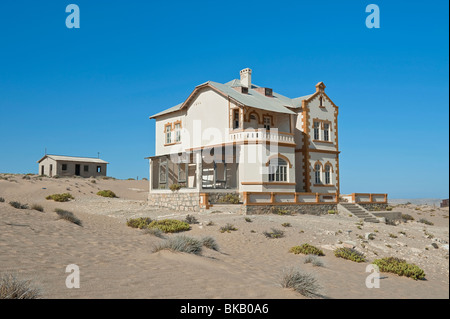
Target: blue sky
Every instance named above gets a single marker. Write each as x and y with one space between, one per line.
88 90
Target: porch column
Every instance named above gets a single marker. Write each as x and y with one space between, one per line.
150 176
199 168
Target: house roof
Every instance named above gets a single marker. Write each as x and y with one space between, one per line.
276 103
74 159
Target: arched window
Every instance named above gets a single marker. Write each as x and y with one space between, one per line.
277 170
317 174
327 174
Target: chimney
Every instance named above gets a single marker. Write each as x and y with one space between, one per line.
246 78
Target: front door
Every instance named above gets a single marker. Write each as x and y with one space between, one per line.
51 170
77 169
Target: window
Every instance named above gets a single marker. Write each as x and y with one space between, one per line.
278 170
86 168
236 123
177 132
267 121
162 172
253 117
99 169
168 131
327 174
326 132
64 167
321 101
316 130
317 174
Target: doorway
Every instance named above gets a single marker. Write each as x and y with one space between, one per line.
51 170
77 169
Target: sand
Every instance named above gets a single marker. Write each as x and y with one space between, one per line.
117 261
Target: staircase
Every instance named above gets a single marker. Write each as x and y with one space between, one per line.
359 212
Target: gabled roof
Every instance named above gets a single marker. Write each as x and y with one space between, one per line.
276 103
74 159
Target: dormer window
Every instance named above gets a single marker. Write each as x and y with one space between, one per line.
321 101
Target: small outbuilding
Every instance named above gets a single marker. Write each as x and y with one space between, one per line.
52 165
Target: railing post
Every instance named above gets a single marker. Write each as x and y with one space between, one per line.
371 198
295 197
353 197
385 198
317 198
272 198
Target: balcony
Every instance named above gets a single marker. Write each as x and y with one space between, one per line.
261 135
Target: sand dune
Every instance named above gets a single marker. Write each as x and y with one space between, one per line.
118 262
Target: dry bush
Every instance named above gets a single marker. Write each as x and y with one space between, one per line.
13 288
302 282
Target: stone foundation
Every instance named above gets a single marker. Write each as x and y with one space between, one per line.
313 209
187 202
215 198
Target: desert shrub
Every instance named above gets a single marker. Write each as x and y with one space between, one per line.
248 220
332 212
306 249
175 187
26 177
425 221
170 225
65 197
230 199
286 224
302 282
106 193
37 207
210 242
181 243
191 219
350 254
68 216
2 200
314 260
13 288
227 228
389 208
393 236
93 181
131 179
140 222
154 232
18 205
275 233
400 267
210 223
407 217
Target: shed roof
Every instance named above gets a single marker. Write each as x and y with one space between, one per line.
74 159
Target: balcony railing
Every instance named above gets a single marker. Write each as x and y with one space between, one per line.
261 135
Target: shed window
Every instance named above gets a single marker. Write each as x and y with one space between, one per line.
64 167
99 169
86 168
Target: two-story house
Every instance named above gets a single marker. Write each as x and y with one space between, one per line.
246 139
